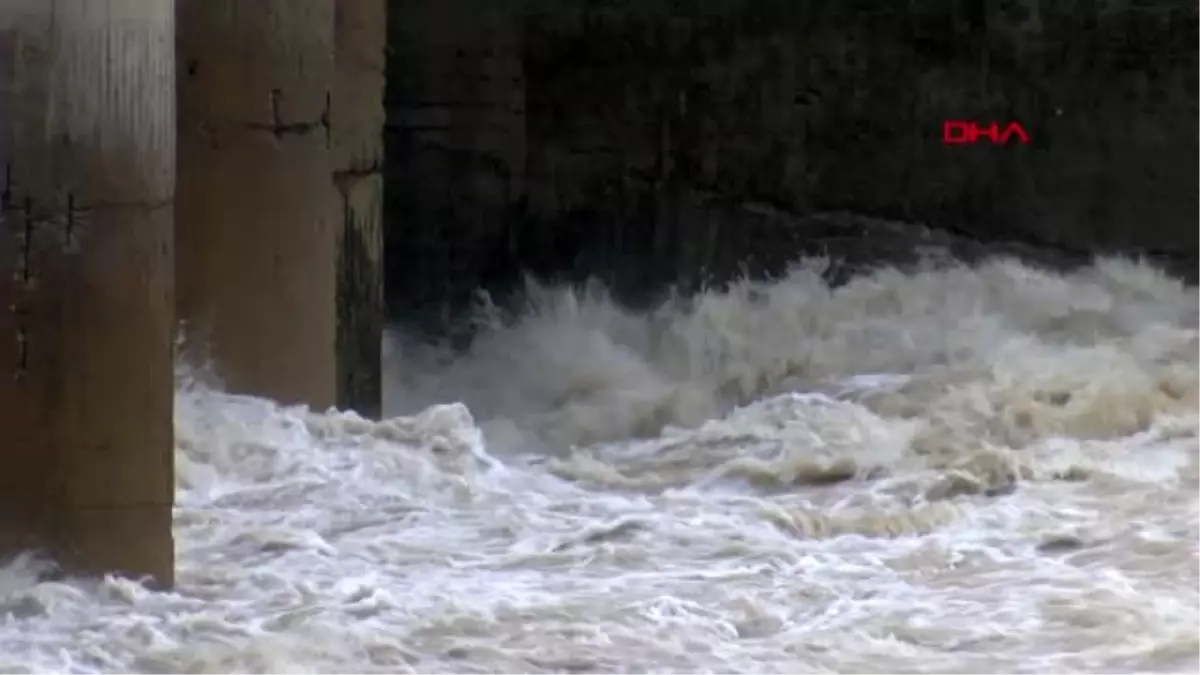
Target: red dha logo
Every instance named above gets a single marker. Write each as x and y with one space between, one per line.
955 132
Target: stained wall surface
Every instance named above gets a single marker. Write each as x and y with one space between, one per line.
87 146
356 135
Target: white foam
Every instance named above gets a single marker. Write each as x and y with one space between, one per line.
965 470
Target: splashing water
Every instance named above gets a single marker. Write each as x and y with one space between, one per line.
955 470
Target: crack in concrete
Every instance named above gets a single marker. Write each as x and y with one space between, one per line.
278 128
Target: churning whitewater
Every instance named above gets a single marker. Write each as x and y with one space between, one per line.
954 470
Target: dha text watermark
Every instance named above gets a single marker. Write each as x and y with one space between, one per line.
959 132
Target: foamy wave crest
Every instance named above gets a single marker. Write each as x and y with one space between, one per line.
1001 348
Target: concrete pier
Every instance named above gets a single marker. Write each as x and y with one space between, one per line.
356 128
87 146
257 214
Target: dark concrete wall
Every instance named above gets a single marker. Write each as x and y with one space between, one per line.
87 147
455 146
671 142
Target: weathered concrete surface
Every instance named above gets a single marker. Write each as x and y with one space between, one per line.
87 141
455 146
257 212
655 131
356 130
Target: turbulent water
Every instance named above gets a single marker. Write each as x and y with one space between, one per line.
957 470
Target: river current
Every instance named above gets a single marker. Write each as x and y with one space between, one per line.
966 469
